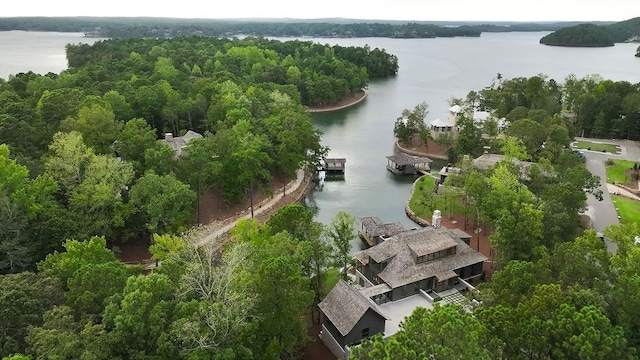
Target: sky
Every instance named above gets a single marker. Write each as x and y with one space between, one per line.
426 10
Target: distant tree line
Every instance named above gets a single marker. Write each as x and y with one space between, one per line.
114 27
165 27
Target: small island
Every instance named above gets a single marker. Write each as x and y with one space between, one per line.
583 35
592 35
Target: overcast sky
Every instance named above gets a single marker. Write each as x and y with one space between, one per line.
456 10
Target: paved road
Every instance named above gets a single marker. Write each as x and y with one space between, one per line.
603 213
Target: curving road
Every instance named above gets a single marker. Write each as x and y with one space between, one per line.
603 213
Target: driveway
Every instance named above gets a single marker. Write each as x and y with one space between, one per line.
603 213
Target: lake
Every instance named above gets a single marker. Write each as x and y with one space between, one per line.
431 70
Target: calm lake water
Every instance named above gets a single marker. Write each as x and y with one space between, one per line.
431 70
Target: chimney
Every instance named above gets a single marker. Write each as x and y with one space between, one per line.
436 219
486 149
168 136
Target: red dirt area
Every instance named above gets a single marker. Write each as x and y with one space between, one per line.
211 208
133 251
431 148
315 349
457 221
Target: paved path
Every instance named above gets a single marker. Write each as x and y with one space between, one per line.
616 190
212 233
603 213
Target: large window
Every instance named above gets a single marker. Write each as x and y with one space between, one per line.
365 333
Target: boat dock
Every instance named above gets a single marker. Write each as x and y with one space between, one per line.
333 166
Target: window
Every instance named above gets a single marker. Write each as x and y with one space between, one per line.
365 333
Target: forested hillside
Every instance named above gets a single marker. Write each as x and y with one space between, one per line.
590 35
602 108
80 155
167 27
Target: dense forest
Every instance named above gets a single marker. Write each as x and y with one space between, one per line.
80 155
555 295
167 27
590 35
81 169
597 107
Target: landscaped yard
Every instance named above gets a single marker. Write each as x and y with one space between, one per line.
424 200
628 210
588 145
618 172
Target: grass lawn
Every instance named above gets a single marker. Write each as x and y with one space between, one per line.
424 200
333 275
628 210
616 172
587 145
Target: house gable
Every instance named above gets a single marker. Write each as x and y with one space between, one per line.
371 323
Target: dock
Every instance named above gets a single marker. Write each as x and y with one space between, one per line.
404 164
332 167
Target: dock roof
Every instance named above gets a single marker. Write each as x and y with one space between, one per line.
373 226
405 159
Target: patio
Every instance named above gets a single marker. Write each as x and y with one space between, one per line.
396 311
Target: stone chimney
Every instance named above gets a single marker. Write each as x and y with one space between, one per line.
436 219
168 136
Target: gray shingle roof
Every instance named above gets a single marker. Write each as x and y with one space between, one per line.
485 161
177 143
402 268
459 233
404 159
438 240
374 227
344 306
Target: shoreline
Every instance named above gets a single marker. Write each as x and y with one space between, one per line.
418 153
352 99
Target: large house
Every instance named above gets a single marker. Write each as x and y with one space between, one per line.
439 126
450 124
421 262
178 143
429 259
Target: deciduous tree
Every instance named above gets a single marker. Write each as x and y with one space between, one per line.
341 231
165 202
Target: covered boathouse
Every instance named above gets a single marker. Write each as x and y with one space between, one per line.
404 164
